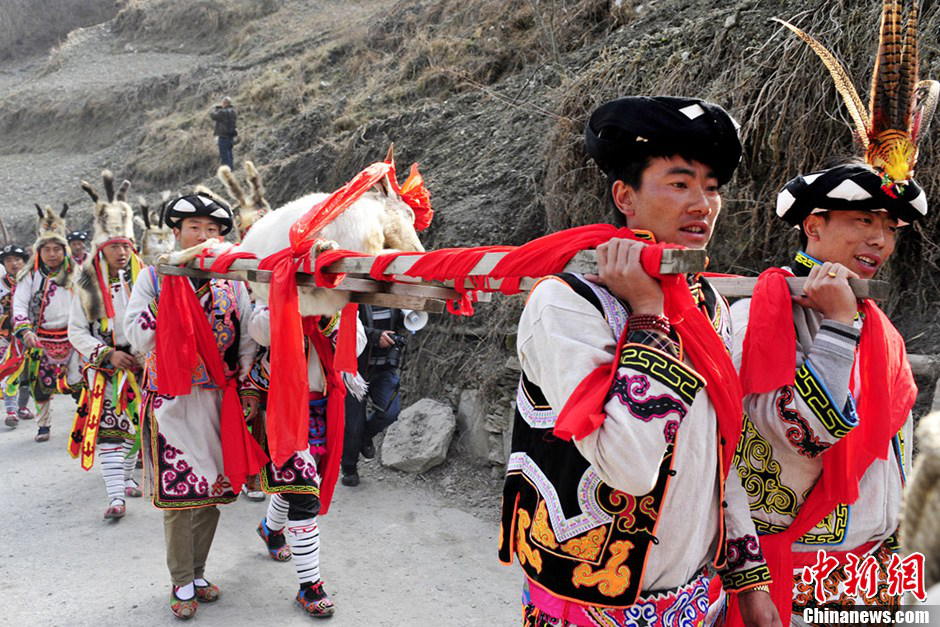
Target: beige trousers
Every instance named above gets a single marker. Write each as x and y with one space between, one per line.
188 534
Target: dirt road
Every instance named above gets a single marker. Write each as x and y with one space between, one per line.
391 554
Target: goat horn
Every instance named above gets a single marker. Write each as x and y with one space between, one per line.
42 214
144 211
255 184
65 210
390 155
90 191
231 185
122 190
6 234
108 178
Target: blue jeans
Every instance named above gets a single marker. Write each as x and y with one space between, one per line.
225 150
386 401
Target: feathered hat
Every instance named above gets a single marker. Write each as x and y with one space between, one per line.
899 109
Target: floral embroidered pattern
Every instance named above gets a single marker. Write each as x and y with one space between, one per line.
541 529
587 547
743 550
800 435
611 580
525 552
177 477
630 390
760 474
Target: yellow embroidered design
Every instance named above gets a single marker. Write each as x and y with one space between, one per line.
525 552
541 529
614 578
587 547
760 474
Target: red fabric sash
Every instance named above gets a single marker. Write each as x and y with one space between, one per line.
335 408
885 400
287 408
548 255
183 339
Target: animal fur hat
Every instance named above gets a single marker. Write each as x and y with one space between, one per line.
51 227
113 215
113 221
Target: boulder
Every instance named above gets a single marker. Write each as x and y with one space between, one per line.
472 436
419 439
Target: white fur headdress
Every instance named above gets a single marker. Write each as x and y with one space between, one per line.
114 217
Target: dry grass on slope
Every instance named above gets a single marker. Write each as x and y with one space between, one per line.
792 122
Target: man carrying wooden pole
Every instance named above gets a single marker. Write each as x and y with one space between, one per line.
619 490
828 393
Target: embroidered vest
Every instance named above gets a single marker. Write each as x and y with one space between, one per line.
221 305
573 534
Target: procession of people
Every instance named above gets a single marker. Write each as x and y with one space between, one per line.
676 458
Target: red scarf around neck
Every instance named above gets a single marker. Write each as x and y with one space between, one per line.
885 400
183 339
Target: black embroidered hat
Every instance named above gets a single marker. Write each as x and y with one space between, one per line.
77 236
635 127
195 205
11 250
852 186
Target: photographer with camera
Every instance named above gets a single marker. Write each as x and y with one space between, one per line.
225 116
388 331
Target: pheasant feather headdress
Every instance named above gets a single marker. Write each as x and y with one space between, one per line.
899 106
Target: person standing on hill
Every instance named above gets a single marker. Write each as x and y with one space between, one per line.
224 116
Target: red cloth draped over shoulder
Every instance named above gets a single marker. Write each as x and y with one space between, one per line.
335 410
183 338
287 411
885 400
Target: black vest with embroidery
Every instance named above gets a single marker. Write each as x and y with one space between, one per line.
573 534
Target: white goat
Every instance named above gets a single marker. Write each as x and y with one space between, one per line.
378 222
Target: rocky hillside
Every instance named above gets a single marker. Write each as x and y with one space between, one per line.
490 96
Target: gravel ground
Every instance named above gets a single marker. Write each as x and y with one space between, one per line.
393 553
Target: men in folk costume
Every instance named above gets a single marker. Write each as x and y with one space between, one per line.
828 388
78 242
15 397
615 510
106 420
196 445
827 442
290 529
41 305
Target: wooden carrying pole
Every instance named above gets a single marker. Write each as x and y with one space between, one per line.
412 293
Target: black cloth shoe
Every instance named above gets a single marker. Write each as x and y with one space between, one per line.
350 479
368 449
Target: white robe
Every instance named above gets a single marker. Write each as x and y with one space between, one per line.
182 439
